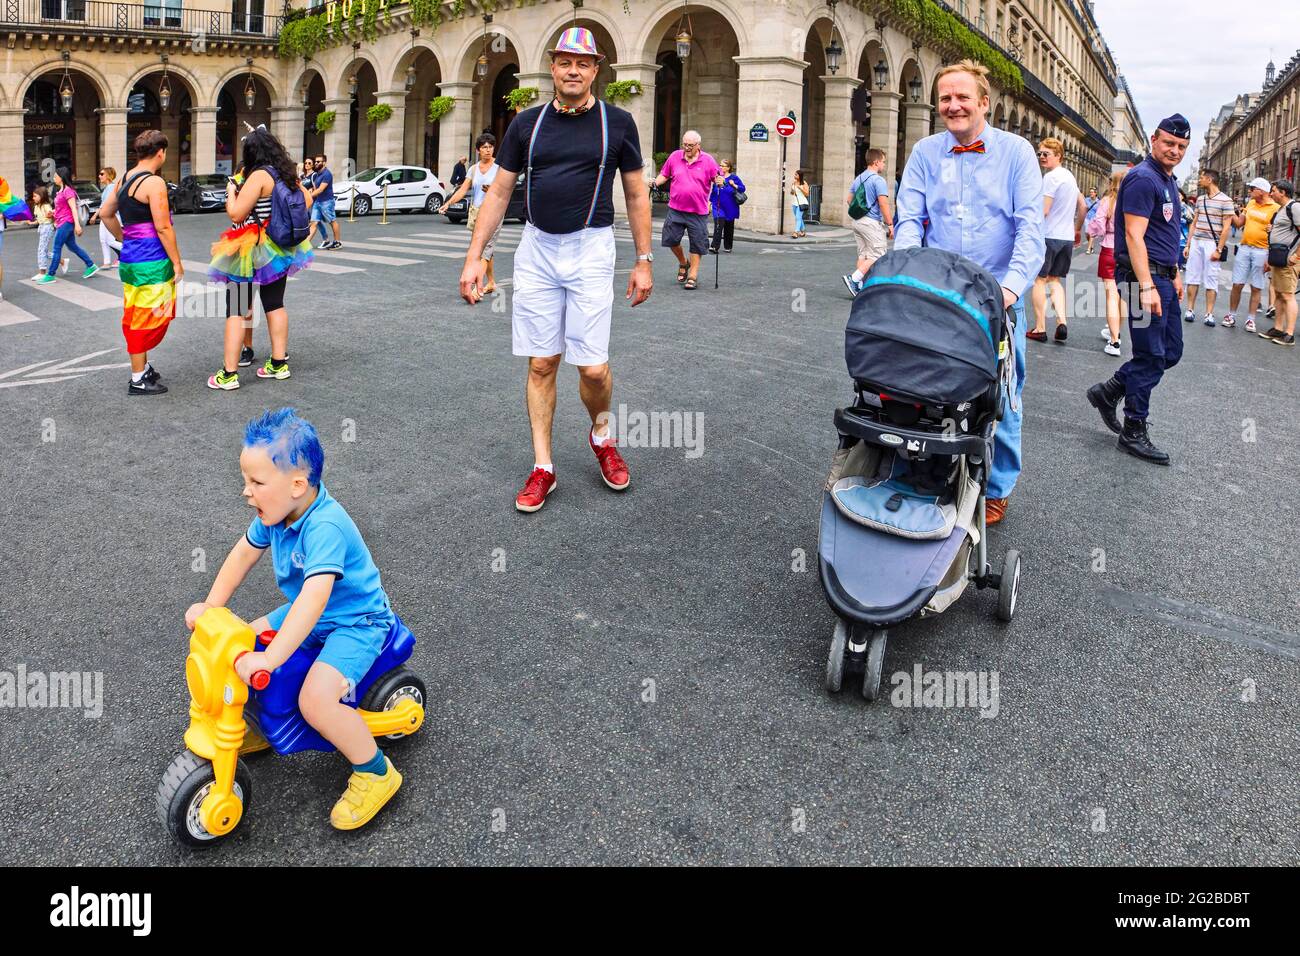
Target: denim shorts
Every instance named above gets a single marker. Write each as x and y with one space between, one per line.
351 650
322 210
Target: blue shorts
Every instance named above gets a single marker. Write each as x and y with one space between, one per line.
322 210
350 650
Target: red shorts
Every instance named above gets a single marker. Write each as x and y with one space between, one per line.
1106 263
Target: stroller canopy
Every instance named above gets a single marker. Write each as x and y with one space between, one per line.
926 325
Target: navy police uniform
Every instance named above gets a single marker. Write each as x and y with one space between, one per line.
1148 191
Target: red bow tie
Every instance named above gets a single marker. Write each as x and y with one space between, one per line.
975 147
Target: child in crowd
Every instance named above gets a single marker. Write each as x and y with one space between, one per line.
336 601
43 213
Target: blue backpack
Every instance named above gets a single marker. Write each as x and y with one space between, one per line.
288 225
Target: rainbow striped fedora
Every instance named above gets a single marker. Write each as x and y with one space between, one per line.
577 40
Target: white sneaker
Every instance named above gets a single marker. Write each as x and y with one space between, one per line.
1111 348
1250 325
1189 316
1105 333
64 267
1229 321
37 276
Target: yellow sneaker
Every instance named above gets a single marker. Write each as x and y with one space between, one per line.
365 796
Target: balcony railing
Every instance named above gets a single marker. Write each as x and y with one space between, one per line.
154 19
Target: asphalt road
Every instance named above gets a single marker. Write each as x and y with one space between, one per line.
1153 600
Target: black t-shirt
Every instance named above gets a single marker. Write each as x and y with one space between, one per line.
566 158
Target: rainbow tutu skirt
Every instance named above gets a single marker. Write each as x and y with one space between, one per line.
148 287
247 254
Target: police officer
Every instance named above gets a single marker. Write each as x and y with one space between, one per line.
1146 271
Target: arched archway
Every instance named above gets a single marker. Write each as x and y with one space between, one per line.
708 98
59 130
310 92
243 101
360 84
813 109
873 71
161 101
420 74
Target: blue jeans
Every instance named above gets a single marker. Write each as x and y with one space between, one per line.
1006 442
66 235
798 217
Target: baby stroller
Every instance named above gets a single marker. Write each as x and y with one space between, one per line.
928 346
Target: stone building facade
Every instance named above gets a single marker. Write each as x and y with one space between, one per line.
855 73
1259 133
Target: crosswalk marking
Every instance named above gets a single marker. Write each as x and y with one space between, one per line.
10 314
432 243
78 293
377 246
346 256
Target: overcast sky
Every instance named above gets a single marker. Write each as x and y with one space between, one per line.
1219 51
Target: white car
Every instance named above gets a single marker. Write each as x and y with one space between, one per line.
409 188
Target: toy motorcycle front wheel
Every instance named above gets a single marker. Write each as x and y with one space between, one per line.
389 690
186 783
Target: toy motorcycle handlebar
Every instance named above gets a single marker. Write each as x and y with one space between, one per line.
260 679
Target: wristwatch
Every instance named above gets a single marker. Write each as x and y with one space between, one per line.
646 257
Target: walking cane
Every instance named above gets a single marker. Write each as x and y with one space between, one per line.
717 257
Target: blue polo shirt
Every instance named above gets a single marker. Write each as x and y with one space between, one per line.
324 541
1148 191
326 177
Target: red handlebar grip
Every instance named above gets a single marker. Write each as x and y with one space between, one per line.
266 637
261 679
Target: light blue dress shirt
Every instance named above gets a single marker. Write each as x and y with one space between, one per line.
985 206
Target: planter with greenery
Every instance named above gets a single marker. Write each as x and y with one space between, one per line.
378 113
928 22
519 98
620 91
439 107
325 121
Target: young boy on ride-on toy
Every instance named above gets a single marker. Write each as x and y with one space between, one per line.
335 597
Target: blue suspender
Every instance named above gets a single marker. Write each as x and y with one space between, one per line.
600 173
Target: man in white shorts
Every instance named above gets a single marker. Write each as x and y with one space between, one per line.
1207 244
572 147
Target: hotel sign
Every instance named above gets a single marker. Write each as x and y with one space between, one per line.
345 9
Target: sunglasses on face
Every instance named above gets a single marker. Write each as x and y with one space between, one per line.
1043 152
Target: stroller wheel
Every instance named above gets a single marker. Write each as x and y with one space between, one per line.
875 664
835 659
1009 589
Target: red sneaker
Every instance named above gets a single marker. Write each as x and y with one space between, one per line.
613 469
539 484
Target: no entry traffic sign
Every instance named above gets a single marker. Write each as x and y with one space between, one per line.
785 126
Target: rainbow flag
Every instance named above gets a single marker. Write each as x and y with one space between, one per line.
148 287
11 206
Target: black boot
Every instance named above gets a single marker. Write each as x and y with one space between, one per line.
1135 440
1106 397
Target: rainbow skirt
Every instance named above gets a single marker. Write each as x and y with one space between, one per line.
148 287
247 254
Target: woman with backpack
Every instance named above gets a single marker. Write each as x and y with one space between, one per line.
268 243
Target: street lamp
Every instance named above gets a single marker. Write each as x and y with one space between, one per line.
410 70
882 74
914 87
66 89
250 88
481 67
685 29
833 51
164 88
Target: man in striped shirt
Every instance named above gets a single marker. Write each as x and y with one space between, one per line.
1207 243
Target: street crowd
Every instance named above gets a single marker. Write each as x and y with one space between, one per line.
1031 217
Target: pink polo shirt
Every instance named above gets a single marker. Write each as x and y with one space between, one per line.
63 203
691 182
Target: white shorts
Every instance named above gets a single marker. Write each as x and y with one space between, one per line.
1201 271
564 294
1249 267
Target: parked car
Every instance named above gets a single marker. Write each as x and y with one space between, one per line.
459 211
205 193
87 197
409 188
